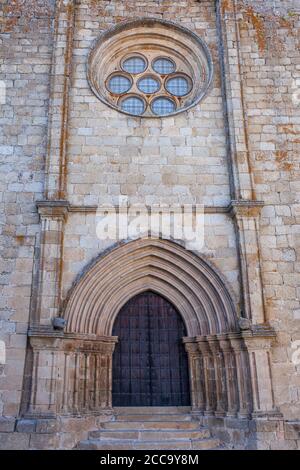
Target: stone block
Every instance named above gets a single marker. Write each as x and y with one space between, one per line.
223 435
26 425
263 426
283 445
7 424
48 426
232 423
14 441
292 430
44 441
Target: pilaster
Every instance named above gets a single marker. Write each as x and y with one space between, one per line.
259 341
246 216
52 218
59 99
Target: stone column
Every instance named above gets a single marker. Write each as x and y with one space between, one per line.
259 342
220 375
53 216
243 374
209 375
231 376
196 376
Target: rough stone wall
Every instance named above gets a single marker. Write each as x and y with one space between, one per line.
25 58
270 67
180 159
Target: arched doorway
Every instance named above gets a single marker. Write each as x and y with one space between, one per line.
150 366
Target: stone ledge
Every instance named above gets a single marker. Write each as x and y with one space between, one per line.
51 207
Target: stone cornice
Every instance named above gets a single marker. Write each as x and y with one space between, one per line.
53 207
47 332
56 207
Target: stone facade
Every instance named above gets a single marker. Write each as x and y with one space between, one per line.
64 153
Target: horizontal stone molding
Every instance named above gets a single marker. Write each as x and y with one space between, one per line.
49 207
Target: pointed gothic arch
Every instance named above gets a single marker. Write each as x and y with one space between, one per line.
184 278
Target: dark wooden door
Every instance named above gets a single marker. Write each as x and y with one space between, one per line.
150 363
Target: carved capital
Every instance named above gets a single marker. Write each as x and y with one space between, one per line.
245 208
203 345
53 209
259 337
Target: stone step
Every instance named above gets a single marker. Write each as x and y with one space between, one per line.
149 435
151 410
157 428
150 425
200 444
154 417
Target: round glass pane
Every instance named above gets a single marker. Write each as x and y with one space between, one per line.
119 84
163 106
163 66
148 85
134 64
133 105
178 86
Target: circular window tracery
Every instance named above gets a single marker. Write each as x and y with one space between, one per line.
135 64
133 105
148 85
163 106
163 65
178 85
140 69
119 84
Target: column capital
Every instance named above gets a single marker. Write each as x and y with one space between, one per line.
203 345
47 343
237 343
53 209
191 349
245 208
259 337
214 343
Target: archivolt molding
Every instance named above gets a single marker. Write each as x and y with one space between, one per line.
185 279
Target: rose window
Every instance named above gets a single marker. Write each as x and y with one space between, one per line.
150 68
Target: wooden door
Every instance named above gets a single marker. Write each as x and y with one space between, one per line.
150 365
